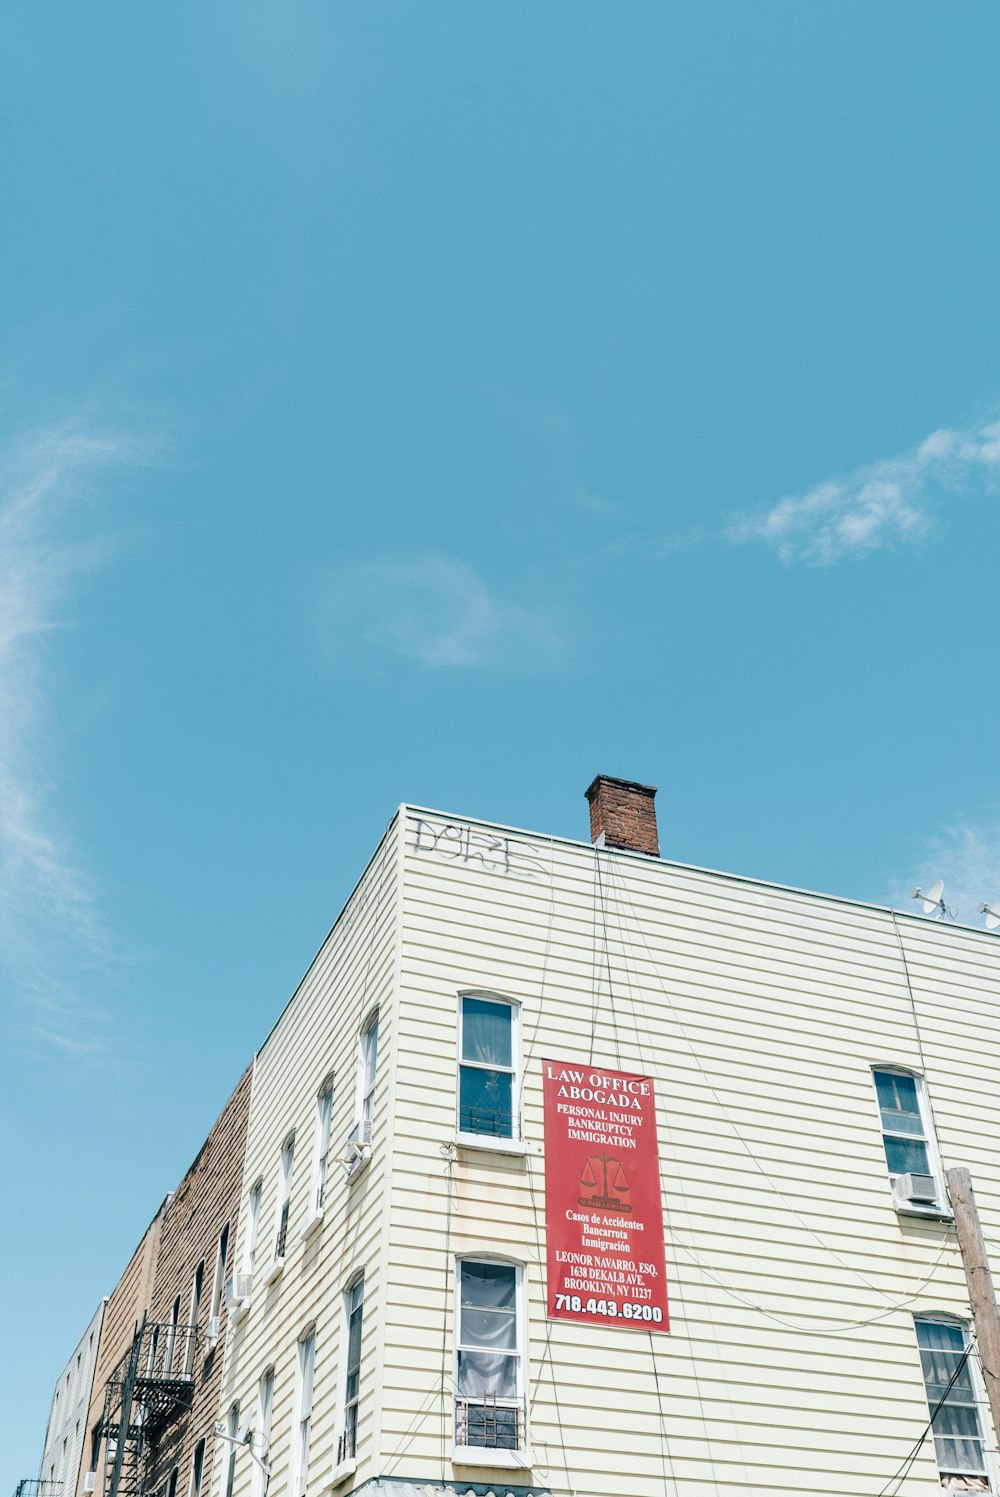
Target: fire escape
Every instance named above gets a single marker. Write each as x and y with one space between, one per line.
152 1385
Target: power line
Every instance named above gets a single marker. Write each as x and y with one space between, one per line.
903 1470
725 1112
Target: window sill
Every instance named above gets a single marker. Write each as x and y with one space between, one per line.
274 1272
239 1312
928 1213
342 1472
310 1224
475 1455
359 1165
492 1145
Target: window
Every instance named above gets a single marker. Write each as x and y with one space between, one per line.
219 1277
907 1139
284 1196
265 1403
171 1346
954 1401
197 1287
232 1426
197 1468
303 1414
172 1483
486 1071
489 1408
367 1064
253 1225
354 1302
324 1118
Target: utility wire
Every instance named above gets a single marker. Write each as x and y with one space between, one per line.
725 1113
834 1328
831 1328
903 1470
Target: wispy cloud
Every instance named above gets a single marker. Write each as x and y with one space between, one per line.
49 920
966 855
878 506
439 612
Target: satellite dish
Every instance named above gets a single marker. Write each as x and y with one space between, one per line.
992 913
933 897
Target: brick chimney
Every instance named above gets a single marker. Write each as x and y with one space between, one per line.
622 813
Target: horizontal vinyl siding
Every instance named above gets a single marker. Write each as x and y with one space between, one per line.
318 1034
759 1011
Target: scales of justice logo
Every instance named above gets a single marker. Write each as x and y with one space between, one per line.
607 1172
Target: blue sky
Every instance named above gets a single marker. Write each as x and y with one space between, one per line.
446 403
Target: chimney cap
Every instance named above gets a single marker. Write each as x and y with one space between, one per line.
610 779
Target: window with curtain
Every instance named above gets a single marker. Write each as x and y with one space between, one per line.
490 1378
284 1196
219 1278
197 1289
367 1066
324 1119
265 1403
486 1070
954 1403
354 1301
253 1226
303 1415
232 1426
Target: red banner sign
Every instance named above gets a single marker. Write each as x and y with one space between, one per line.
603 1211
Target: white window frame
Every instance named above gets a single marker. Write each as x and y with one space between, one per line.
980 1395
487 1455
253 1225
197 1296
928 1138
305 1380
286 1167
232 1430
345 1464
219 1275
365 1108
197 1483
265 1413
500 1144
321 1167
170 1350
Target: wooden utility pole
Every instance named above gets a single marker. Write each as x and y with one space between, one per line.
980 1282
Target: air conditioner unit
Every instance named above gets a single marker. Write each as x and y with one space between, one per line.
89 1481
918 1190
239 1287
357 1146
212 1330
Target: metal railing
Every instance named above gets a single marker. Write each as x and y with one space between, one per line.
279 1246
31 1486
495 1122
487 1424
347 1445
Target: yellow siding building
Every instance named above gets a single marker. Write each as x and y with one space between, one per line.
817 1063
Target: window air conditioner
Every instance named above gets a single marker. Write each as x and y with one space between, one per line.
212 1330
919 1190
357 1145
239 1287
89 1481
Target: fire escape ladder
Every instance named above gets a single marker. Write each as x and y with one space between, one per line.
152 1385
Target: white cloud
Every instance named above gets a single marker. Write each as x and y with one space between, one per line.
966 855
437 611
49 923
879 505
